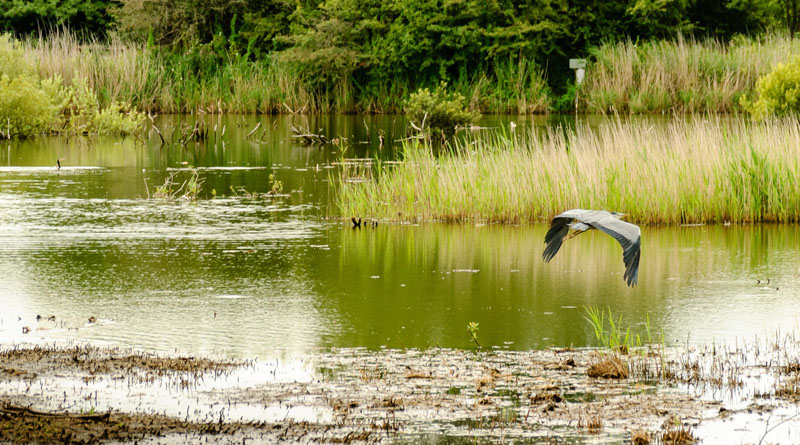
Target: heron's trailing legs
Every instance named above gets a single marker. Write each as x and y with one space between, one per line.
577 229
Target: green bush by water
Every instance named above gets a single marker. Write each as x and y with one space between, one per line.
778 93
439 110
31 104
28 105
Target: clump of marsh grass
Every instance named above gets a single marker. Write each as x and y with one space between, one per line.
118 71
789 389
685 75
517 86
593 424
678 436
612 335
609 367
640 437
686 171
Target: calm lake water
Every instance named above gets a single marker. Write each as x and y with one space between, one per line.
251 276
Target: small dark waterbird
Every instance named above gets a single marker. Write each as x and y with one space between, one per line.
367 223
580 220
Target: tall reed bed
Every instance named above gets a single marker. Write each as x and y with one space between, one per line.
684 75
160 81
514 87
695 171
200 81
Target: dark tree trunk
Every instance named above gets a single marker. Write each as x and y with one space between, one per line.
792 19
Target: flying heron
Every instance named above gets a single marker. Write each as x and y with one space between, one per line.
580 220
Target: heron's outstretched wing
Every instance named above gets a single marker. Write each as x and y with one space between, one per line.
558 230
629 236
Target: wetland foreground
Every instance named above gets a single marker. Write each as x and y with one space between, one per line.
722 394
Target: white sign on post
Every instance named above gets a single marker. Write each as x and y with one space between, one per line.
579 65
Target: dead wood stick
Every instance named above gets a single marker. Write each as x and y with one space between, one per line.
253 131
21 410
159 134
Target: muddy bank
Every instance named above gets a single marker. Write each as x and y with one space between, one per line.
31 361
24 425
85 394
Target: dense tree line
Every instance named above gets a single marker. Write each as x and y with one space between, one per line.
379 45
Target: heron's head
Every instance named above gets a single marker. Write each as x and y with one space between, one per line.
619 215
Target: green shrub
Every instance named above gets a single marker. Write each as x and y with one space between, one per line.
26 107
30 105
12 58
440 111
778 92
118 119
84 114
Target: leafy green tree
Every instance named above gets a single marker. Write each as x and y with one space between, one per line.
661 18
724 20
326 45
30 16
179 23
791 15
416 43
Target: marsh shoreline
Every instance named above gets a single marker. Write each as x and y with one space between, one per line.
367 396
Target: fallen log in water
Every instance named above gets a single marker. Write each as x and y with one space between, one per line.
8 409
306 137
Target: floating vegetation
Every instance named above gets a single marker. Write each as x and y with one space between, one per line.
686 171
275 190
20 424
592 424
136 366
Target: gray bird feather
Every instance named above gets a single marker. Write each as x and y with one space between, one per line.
580 220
